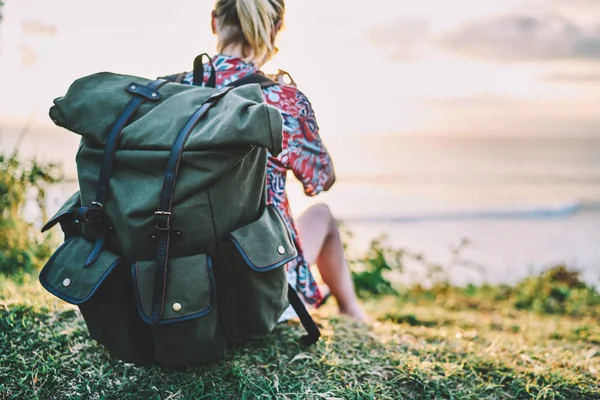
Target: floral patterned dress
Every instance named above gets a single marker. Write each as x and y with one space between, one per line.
303 153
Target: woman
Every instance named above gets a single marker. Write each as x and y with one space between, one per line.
246 32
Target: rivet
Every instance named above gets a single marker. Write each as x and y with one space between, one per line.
280 250
154 95
132 87
176 307
66 282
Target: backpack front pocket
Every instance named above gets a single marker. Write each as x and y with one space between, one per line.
251 276
66 275
188 331
102 290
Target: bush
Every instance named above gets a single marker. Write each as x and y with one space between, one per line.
558 290
369 271
22 246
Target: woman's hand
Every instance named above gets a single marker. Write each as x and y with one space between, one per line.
330 180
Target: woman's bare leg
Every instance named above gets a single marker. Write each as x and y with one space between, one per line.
321 244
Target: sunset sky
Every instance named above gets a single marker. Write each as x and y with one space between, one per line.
438 67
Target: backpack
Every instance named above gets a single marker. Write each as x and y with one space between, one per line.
171 251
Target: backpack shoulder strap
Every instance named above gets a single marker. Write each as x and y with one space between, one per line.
179 77
259 78
176 78
312 330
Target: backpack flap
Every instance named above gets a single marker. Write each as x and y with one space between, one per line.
66 216
266 243
189 291
65 276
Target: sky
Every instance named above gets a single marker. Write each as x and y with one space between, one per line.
377 67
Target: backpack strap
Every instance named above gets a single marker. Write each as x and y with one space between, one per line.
179 77
94 213
163 214
141 94
312 330
258 77
199 72
175 78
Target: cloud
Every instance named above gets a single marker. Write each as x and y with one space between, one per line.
28 56
38 28
522 37
513 116
400 38
573 78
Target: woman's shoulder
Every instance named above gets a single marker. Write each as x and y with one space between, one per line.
289 99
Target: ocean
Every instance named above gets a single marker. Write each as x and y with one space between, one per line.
524 204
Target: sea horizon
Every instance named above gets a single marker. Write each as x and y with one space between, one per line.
525 203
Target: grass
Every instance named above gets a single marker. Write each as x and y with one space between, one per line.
422 345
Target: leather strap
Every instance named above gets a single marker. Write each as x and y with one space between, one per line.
174 77
179 77
95 212
199 72
113 136
96 250
312 330
163 214
258 77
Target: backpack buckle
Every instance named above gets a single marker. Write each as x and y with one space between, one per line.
162 220
94 214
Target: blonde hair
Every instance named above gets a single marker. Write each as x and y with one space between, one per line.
253 24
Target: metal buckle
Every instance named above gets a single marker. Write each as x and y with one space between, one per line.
94 214
166 221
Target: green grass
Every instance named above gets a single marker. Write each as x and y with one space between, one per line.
426 348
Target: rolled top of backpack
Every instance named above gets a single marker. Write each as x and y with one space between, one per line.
92 103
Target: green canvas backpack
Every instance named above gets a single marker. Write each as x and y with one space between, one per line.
171 251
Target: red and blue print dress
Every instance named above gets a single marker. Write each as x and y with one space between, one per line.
303 153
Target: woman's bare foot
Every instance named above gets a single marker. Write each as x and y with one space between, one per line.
356 312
